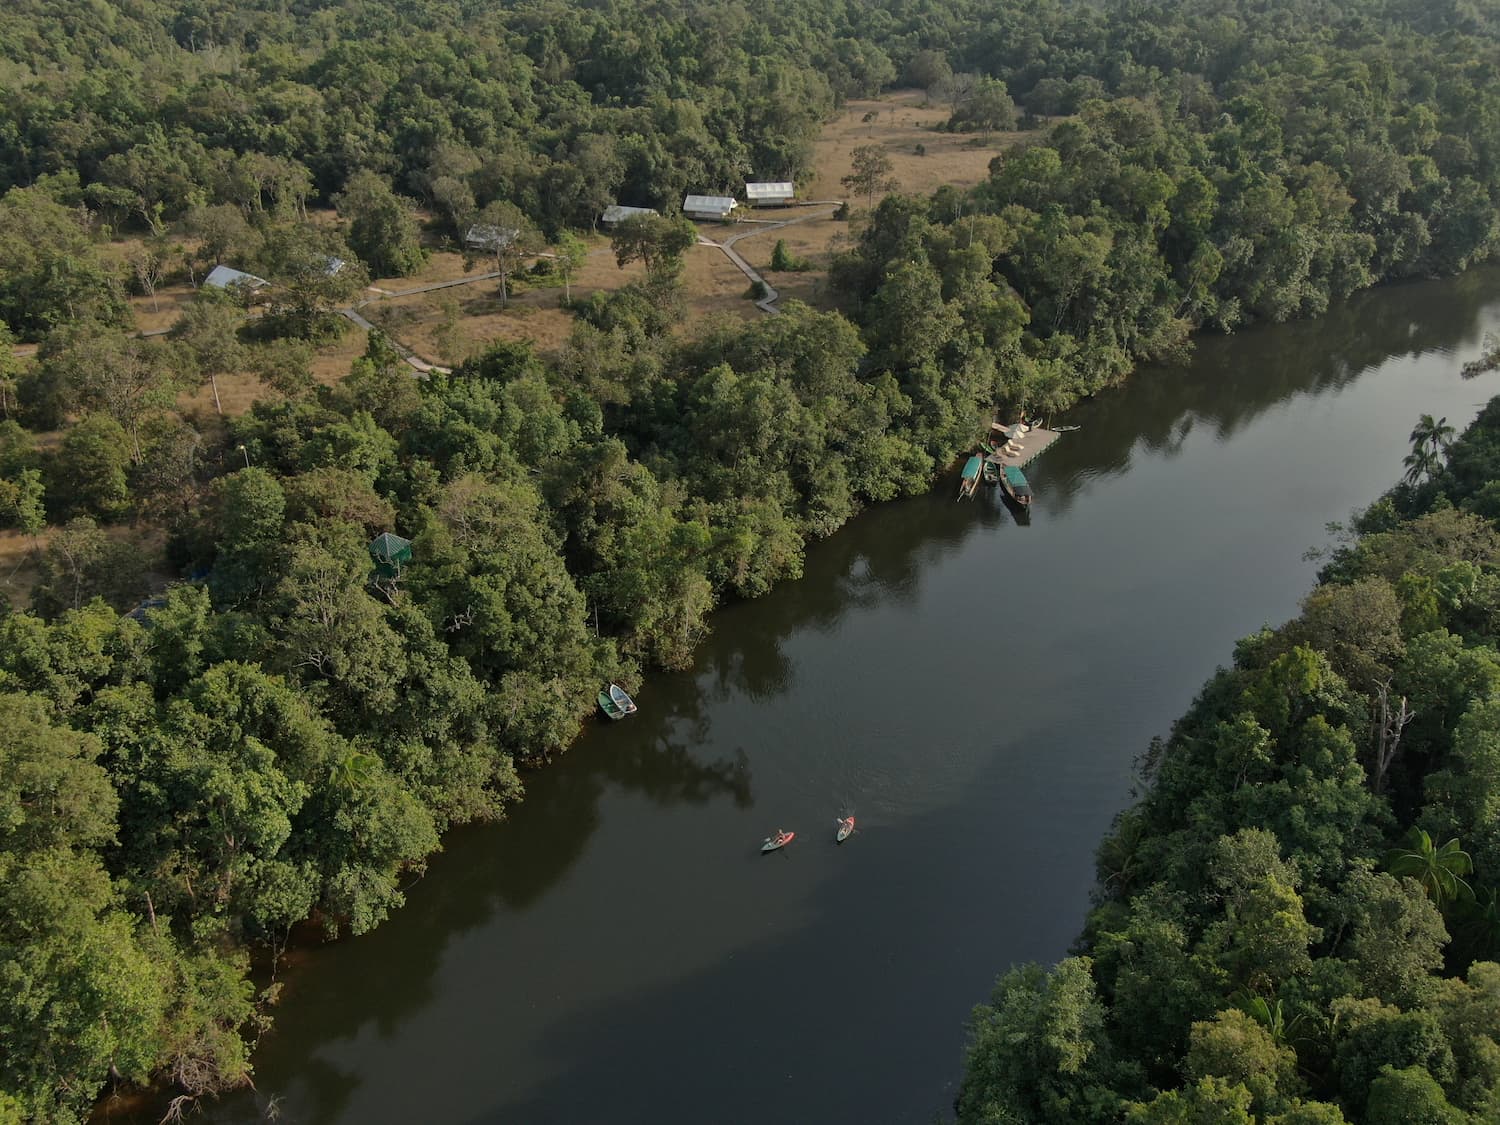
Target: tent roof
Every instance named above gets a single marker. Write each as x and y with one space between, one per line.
222 277
491 237
771 189
709 203
615 212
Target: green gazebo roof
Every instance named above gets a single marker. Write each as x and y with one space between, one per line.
390 553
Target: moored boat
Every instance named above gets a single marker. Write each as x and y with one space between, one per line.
778 839
970 480
1013 481
615 702
846 829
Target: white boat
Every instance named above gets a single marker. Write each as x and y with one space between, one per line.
615 702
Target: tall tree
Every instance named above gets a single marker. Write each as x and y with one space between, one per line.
208 332
871 173
382 226
508 238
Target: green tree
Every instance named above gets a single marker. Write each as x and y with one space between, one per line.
571 252
1236 1048
871 173
382 226
1439 870
1039 1050
657 240
88 994
1409 1096
1208 1101
315 274
208 332
508 238
10 367
80 562
88 474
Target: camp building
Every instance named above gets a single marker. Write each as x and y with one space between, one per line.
222 277
490 238
780 191
617 213
708 206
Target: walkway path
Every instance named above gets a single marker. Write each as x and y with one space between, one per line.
766 304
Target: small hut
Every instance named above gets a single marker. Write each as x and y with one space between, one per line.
390 553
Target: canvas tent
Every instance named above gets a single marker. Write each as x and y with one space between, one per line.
708 206
490 238
616 213
222 277
779 191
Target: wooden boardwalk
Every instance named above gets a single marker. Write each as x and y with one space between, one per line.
1032 443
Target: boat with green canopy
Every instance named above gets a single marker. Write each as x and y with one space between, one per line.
970 479
1013 481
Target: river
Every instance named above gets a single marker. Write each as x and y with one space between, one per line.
974 690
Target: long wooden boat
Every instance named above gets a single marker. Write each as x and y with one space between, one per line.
1013 481
970 480
615 702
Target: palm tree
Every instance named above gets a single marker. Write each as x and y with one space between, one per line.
353 770
1439 870
1434 435
1430 439
1421 464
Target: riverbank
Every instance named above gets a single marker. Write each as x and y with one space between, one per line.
628 884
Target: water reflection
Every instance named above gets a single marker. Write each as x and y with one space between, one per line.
1263 368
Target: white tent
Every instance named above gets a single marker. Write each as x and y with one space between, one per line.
616 213
780 191
708 206
222 277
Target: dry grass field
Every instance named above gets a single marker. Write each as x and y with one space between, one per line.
19 572
447 325
899 122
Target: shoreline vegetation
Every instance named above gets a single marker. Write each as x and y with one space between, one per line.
1298 921
287 731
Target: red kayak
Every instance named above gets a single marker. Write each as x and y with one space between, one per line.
846 829
778 839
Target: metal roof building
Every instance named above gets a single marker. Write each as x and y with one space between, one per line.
222 277
779 191
708 206
482 237
616 212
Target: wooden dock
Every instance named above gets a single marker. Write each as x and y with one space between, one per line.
1031 443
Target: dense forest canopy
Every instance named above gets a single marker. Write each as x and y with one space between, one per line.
1299 921
286 731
